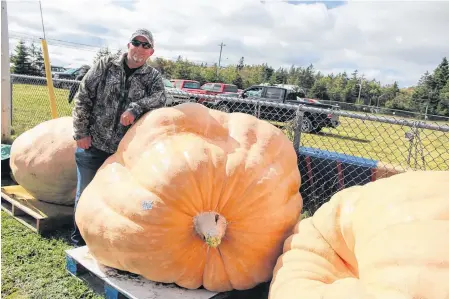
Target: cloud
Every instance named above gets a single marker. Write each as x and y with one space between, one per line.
388 40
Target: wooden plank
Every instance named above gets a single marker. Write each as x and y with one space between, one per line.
118 284
18 196
37 215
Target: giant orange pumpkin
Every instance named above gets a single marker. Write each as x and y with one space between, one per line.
194 196
386 240
42 161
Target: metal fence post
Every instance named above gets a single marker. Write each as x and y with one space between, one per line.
297 129
257 109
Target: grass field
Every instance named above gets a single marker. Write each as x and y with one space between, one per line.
31 106
368 139
34 266
383 142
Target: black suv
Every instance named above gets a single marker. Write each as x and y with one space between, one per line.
70 74
312 121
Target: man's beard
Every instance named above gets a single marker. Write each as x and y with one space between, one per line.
137 58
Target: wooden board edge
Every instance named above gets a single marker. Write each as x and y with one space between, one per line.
27 210
77 253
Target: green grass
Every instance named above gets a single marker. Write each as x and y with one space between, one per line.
31 106
34 266
383 142
368 139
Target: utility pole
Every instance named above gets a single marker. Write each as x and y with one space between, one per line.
6 78
219 58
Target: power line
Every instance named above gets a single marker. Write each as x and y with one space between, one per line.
52 43
75 45
24 35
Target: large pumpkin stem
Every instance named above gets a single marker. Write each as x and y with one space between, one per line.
211 227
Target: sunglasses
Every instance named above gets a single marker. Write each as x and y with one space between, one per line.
137 43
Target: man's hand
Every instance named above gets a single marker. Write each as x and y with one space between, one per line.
127 118
85 142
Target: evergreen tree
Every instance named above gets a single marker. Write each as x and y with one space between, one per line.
441 74
21 60
118 53
241 64
238 82
102 52
443 104
37 61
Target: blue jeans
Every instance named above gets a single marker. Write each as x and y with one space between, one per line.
87 163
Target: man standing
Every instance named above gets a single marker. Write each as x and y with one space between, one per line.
113 94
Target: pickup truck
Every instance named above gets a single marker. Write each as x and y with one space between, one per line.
312 122
189 86
220 88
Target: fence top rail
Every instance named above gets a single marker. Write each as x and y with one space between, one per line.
383 119
306 108
29 77
383 109
40 78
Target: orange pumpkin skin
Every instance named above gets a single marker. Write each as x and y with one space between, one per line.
42 161
385 240
141 211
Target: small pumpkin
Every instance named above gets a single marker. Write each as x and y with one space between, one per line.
386 239
42 161
196 197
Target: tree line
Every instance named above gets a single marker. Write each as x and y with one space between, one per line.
27 60
430 95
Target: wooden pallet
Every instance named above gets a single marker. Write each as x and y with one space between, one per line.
39 216
114 284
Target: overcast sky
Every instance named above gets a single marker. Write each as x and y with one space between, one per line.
388 40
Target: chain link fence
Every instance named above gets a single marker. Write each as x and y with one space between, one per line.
336 149
31 104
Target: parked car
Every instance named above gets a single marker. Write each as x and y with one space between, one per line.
70 74
189 86
312 122
222 89
219 88
169 96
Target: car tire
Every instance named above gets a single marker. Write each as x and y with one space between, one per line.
307 125
223 108
316 129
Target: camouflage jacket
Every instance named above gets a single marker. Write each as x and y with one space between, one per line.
104 95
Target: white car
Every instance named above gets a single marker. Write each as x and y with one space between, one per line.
169 98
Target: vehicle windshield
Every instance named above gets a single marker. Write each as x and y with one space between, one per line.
192 85
230 88
70 71
167 83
